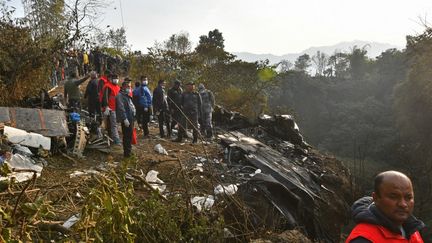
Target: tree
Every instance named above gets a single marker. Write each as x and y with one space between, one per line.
338 65
358 62
179 43
320 60
285 66
211 48
117 39
302 63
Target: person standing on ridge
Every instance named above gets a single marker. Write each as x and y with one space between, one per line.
208 103
160 108
174 103
72 93
110 91
191 107
145 103
125 112
92 95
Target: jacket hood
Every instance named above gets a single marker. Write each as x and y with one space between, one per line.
364 210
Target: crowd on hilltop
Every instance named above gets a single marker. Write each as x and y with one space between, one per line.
82 61
114 102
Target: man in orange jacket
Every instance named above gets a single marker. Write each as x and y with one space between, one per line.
387 215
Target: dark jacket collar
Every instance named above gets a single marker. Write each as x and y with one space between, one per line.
364 210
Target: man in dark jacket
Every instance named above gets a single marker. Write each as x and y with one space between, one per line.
92 95
135 100
387 215
160 108
191 107
174 103
125 112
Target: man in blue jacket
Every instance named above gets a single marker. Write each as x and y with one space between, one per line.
125 112
145 103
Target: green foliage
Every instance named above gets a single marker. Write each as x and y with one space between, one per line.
24 65
302 63
352 115
413 105
114 213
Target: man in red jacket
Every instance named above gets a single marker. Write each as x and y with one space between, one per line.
387 215
110 91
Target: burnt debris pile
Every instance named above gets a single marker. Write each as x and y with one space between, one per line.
293 186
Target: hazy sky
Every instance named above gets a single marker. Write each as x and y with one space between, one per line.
269 26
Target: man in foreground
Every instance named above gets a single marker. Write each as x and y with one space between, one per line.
387 215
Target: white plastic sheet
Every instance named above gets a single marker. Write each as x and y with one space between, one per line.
158 148
203 203
227 190
154 181
30 139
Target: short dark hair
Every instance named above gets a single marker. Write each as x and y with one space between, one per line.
137 84
143 77
161 81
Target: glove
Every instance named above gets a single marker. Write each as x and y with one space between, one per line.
126 122
146 109
107 111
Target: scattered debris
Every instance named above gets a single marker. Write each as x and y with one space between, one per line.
158 148
203 203
199 167
49 123
78 173
34 140
154 181
23 168
227 190
71 221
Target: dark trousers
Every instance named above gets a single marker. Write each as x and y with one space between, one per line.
127 139
139 113
145 120
164 118
74 104
190 121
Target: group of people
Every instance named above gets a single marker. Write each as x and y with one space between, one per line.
119 103
184 109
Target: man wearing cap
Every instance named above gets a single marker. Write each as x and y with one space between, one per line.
191 107
110 91
125 112
208 102
174 103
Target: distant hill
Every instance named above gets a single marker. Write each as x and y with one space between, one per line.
374 49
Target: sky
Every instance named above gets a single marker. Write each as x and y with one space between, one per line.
267 26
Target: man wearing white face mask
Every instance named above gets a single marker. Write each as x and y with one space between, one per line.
145 103
111 90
